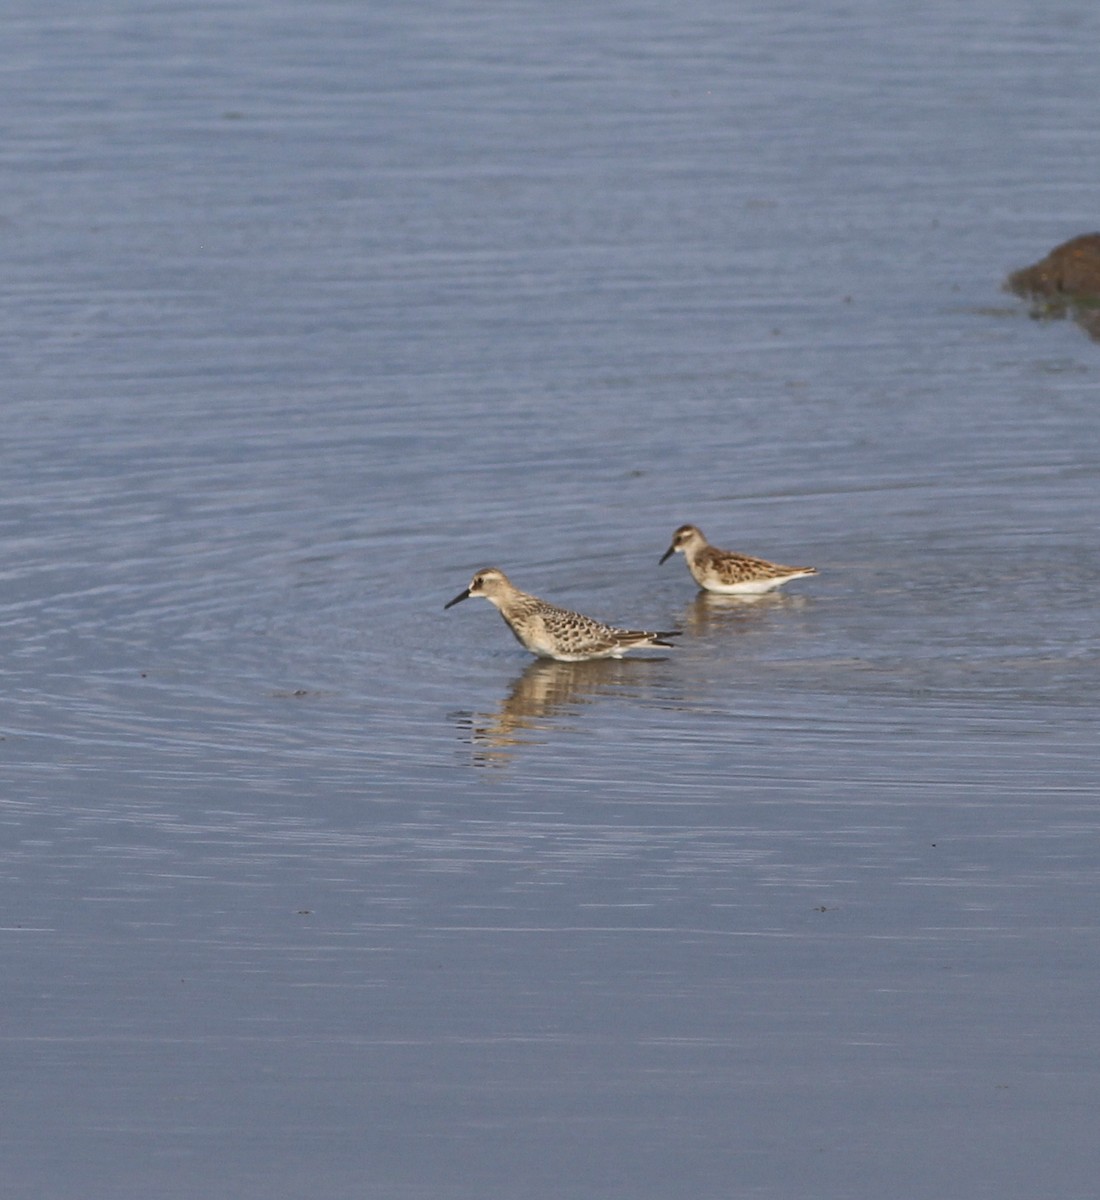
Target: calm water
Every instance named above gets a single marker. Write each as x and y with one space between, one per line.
312 889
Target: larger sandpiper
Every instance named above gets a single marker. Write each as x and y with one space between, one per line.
553 632
725 572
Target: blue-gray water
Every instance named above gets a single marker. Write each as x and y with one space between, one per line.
311 889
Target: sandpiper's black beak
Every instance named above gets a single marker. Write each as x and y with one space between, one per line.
668 553
463 595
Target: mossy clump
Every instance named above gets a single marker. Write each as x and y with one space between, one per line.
1065 283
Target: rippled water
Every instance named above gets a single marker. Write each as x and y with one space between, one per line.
310 887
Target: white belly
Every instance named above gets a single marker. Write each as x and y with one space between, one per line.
749 587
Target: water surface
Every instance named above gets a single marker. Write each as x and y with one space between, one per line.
310 887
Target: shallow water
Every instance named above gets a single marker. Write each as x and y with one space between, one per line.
311 887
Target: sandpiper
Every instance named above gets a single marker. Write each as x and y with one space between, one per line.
552 632
727 573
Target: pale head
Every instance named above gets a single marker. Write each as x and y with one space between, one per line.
489 582
685 536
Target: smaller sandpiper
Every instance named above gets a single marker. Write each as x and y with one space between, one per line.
552 632
727 573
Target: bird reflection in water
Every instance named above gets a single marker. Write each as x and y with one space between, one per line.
543 698
711 612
